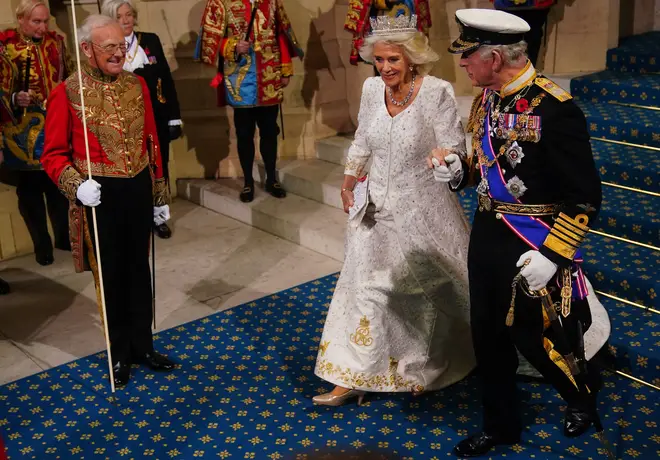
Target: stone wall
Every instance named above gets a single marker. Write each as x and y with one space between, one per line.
323 97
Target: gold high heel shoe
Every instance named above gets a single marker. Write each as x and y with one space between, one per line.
328 399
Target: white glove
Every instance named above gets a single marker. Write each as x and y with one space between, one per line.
451 172
539 271
161 214
89 193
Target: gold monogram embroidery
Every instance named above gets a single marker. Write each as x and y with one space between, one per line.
362 336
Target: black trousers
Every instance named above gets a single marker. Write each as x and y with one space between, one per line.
246 120
493 253
32 187
125 219
537 21
163 130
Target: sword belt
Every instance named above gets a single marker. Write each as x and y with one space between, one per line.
488 204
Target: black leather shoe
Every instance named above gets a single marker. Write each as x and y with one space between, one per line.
481 443
44 258
275 189
247 195
4 287
576 422
122 373
163 231
157 362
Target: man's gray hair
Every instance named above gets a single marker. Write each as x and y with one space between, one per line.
93 21
511 54
110 7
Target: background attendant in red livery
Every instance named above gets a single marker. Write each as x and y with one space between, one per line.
146 58
128 188
535 13
40 62
252 43
360 11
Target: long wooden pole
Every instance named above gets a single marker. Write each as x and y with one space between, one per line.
94 220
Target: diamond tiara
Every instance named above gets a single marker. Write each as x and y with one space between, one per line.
381 25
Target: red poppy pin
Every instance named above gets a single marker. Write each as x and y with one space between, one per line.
146 51
522 105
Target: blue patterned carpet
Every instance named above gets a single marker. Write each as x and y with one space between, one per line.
628 166
244 389
637 54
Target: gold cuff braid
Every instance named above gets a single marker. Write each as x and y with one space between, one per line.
567 235
69 181
161 192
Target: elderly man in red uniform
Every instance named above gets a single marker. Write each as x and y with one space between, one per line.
128 188
40 62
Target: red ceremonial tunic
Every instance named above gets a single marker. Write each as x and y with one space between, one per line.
122 137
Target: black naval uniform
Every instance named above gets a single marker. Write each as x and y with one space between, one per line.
551 166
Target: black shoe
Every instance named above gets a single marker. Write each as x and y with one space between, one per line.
157 362
122 373
275 189
247 195
163 231
576 422
4 287
44 258
481 443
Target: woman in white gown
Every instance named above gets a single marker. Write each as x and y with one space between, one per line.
399 318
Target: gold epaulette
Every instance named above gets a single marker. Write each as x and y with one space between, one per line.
567 234
553 89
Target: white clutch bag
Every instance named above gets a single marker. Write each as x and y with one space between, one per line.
361 199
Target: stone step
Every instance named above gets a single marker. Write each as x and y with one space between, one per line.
315 180
308 223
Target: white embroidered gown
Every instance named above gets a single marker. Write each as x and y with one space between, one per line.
399 317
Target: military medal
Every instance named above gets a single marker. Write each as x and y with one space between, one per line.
483 187
514 155
516 187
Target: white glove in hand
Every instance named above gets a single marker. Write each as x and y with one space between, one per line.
89 193
452 171
539 271
161 214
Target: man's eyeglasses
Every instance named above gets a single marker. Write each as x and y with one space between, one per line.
111 49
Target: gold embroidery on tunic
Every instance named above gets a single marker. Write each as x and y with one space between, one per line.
115 115
159 92
362 336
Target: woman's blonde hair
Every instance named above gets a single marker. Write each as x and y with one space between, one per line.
110 8
26 7
415 47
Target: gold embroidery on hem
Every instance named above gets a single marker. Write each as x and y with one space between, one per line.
383 382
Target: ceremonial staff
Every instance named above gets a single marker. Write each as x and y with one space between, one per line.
89 177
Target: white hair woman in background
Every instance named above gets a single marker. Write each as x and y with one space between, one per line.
146 58
399 318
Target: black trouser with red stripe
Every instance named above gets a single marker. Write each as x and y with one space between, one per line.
493 253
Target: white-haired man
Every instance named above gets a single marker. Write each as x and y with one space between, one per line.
128 189
37 62
538 191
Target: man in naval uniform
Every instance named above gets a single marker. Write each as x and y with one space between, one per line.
538 192
128 189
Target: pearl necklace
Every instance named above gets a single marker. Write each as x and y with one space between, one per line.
407 98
